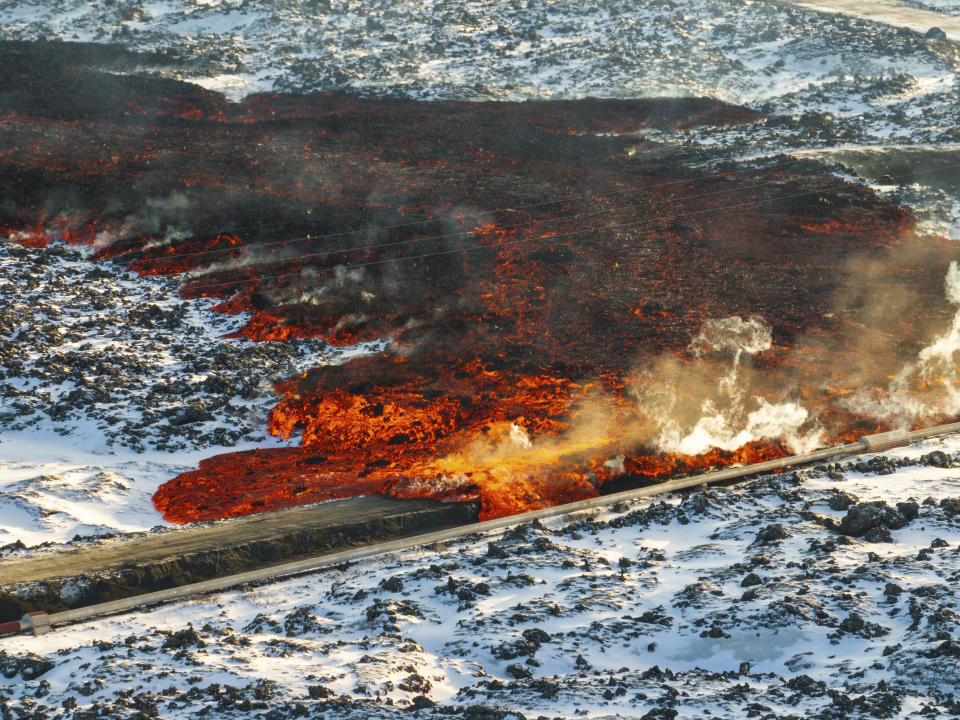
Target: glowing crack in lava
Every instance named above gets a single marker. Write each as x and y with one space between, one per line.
568 308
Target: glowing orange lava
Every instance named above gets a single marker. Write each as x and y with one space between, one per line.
524 262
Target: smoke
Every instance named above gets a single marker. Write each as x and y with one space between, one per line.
593 428
314 287
733 334
167 217
731 427
459 224
714 398
888 355
928 387
171 235
250 255
506 462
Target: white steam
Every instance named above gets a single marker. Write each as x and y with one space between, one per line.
734 334
708 403
733 428
929 387
519 437
163 216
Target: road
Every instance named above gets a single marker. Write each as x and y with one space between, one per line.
889 12
253 540
379 525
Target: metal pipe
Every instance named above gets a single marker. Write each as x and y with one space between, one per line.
41 622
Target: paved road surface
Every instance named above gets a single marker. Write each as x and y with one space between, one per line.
375 515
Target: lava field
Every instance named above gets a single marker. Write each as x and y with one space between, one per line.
540 275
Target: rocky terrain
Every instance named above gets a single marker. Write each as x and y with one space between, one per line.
517 50
830 592
84 345
834 79
866 100
109 385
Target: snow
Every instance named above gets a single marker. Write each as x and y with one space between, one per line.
874 81
99 366
450 624
236 86
497 49
90 469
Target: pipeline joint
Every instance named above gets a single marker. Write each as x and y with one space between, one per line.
880 442
39 622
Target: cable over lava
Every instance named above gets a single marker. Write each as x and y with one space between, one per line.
566 306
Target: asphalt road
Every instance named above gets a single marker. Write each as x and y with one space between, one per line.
374 516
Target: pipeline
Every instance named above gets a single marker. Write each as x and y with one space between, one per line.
41 622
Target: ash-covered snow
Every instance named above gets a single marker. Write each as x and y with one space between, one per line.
830 592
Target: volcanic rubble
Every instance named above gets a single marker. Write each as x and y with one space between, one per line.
868 74
829 592
103 377
78 341
466 262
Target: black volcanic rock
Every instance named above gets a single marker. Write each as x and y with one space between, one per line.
772 533
863 517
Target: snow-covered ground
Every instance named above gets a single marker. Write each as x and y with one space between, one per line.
742 51
108 389
828 593
111 385
121 388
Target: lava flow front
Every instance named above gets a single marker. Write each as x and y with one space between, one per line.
566 307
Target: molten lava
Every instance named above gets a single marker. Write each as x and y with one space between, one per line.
525 261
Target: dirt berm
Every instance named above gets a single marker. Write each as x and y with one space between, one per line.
125 567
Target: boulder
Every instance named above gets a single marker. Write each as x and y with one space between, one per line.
864 517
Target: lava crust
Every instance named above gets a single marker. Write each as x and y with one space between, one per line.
531 266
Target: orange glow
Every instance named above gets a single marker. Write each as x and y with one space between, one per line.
519 267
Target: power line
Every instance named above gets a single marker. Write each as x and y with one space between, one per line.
513 208
554 236
425 238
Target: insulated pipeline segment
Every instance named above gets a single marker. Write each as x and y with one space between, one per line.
881 442
40 622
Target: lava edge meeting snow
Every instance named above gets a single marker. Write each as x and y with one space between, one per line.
765 595
101 369
839 75
827 592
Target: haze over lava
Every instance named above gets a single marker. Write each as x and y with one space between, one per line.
564 308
